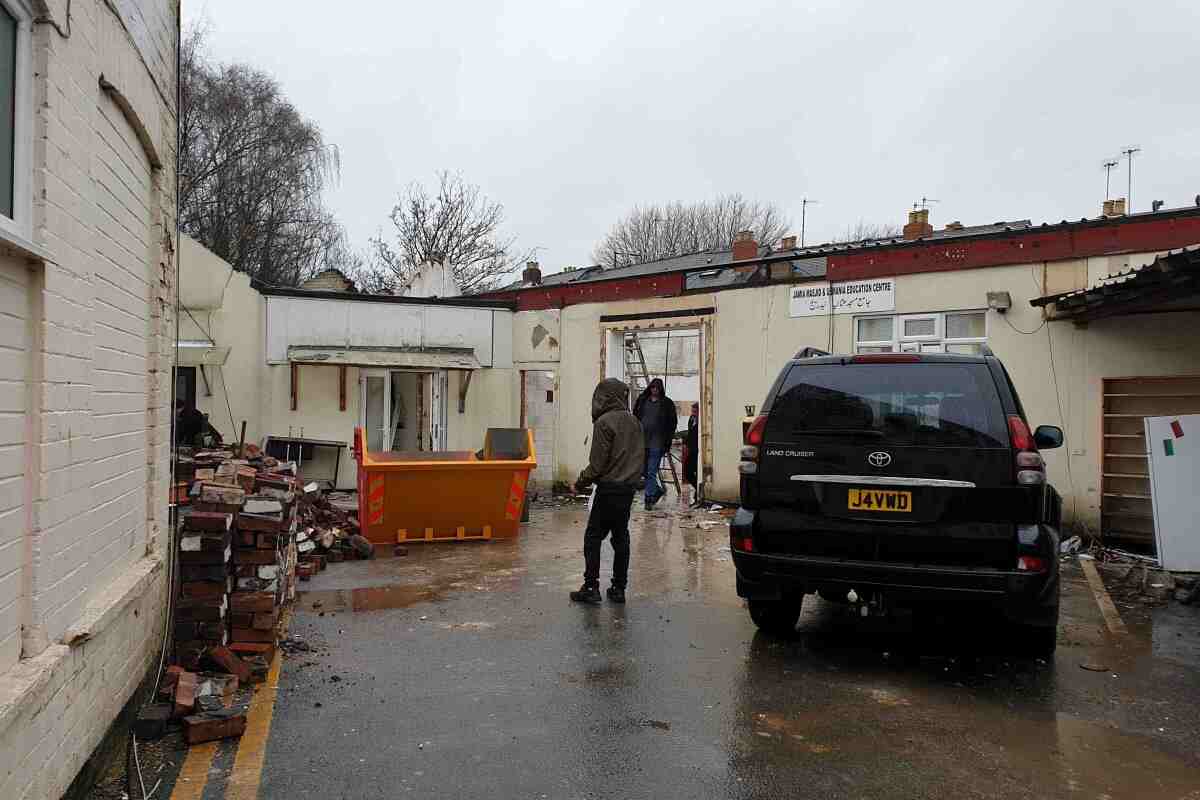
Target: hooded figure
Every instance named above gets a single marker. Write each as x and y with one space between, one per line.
656 412
615 466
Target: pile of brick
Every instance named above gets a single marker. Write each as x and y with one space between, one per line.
241 550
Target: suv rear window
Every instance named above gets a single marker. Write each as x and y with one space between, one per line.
923 405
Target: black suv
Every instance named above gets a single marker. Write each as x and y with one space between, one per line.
898 480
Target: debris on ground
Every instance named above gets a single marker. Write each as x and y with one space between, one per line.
249 528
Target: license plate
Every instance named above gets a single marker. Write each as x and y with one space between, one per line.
879 500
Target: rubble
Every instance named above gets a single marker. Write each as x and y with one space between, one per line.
249 529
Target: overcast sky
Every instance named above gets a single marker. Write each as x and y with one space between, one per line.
571 112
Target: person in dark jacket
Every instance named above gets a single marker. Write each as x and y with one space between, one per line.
615 467
691 453
656 412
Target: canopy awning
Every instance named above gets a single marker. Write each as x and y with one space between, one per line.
1169 283
199 353
416 358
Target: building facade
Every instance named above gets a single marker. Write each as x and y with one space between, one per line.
951 290
87 289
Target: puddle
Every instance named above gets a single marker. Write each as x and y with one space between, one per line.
367 598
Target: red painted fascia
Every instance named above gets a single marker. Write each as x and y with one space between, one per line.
1019 247
597 292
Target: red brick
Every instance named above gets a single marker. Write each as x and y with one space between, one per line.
228 661
267 541
204 588
185 693
252 635
255 556
211 727
255 602
204 557
203 572
208 521
247 649
265 622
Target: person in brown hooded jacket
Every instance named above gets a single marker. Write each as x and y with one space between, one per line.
615 466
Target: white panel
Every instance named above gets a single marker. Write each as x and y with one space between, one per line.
1174 445
293 321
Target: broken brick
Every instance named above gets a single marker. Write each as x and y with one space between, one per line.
208 557
203 572
229 661
267 541
224 495
248 650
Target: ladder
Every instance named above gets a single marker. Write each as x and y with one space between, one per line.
639 379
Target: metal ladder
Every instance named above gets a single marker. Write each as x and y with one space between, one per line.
639 378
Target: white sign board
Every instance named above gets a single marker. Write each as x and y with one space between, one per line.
849 297
1174 445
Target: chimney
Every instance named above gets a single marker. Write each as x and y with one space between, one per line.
954 226
744 246
918 224
787 243
1114 208
532 274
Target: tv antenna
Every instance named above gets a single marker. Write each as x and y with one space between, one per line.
924 202
1108 165
1129 152
804 204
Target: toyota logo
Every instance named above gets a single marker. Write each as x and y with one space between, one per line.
879 459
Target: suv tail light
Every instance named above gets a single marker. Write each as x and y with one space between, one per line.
1030 466
754 435
1031 564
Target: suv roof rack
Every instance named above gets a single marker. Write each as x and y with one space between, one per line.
811 352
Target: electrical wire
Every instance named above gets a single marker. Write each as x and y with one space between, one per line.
1018 330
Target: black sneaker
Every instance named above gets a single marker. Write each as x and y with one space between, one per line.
587 594
616 594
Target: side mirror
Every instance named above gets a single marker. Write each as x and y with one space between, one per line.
1048 437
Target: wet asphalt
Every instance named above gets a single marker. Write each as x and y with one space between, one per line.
464 671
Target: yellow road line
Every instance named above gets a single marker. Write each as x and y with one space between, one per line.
1111 617
246 776
193 775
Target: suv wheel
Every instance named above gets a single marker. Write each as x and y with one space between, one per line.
1036 641
776 616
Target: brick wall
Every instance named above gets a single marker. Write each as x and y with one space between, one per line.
84 477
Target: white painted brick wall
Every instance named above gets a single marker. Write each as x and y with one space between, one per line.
85 348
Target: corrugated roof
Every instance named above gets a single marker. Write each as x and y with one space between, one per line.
1169 278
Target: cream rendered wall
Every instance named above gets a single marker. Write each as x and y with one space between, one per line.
220 299
753 337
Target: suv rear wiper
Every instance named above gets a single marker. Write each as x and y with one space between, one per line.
872 434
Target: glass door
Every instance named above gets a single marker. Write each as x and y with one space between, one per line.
438 384
376 404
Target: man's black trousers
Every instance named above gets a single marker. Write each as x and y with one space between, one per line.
610 515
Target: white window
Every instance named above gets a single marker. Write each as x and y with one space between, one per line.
16 117
948 332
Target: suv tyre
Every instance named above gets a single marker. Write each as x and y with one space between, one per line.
776 616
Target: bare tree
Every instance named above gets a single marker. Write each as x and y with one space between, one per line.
649 233
252 171
455 224
863 231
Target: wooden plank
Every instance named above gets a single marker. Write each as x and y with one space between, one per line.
341 387
295 384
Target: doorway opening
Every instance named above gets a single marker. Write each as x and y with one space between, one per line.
675 354
404 410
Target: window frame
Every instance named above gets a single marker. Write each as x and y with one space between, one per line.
20 224
936 343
